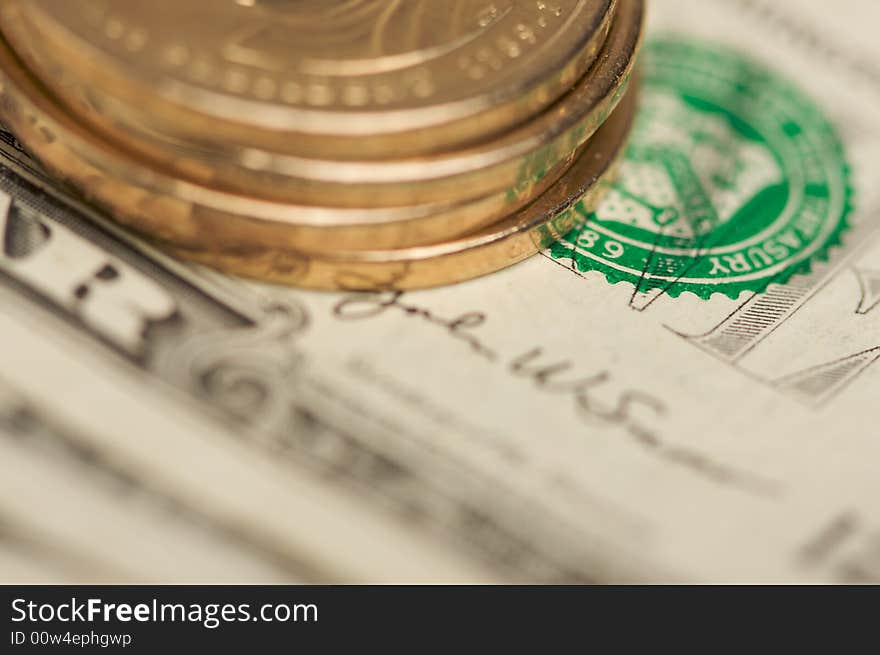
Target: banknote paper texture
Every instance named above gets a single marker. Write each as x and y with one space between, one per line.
160 422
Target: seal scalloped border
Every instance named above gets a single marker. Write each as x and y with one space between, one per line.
733 289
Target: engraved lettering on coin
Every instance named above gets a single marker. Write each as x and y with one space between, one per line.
357 37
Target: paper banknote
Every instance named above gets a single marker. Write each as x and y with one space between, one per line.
683 390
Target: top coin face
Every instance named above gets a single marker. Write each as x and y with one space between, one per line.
433 73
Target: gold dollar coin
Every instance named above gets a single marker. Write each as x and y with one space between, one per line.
112 176
152 202
323 78
518 158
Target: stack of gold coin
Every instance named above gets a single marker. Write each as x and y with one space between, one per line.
335 144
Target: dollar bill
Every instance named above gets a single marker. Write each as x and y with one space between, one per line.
691 405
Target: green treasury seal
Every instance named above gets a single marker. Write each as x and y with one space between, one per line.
733 179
